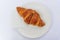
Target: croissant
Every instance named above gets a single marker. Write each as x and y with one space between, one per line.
30 16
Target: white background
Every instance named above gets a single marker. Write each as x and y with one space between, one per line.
6 30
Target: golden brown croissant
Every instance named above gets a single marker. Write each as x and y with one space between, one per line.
30 16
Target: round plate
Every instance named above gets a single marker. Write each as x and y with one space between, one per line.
31 31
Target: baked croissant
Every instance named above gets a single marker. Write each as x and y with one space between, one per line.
30 16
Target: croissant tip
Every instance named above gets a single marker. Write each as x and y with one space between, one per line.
18 9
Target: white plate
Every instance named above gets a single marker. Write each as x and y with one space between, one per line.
31 31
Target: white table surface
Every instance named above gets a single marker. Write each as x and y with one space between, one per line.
6 30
